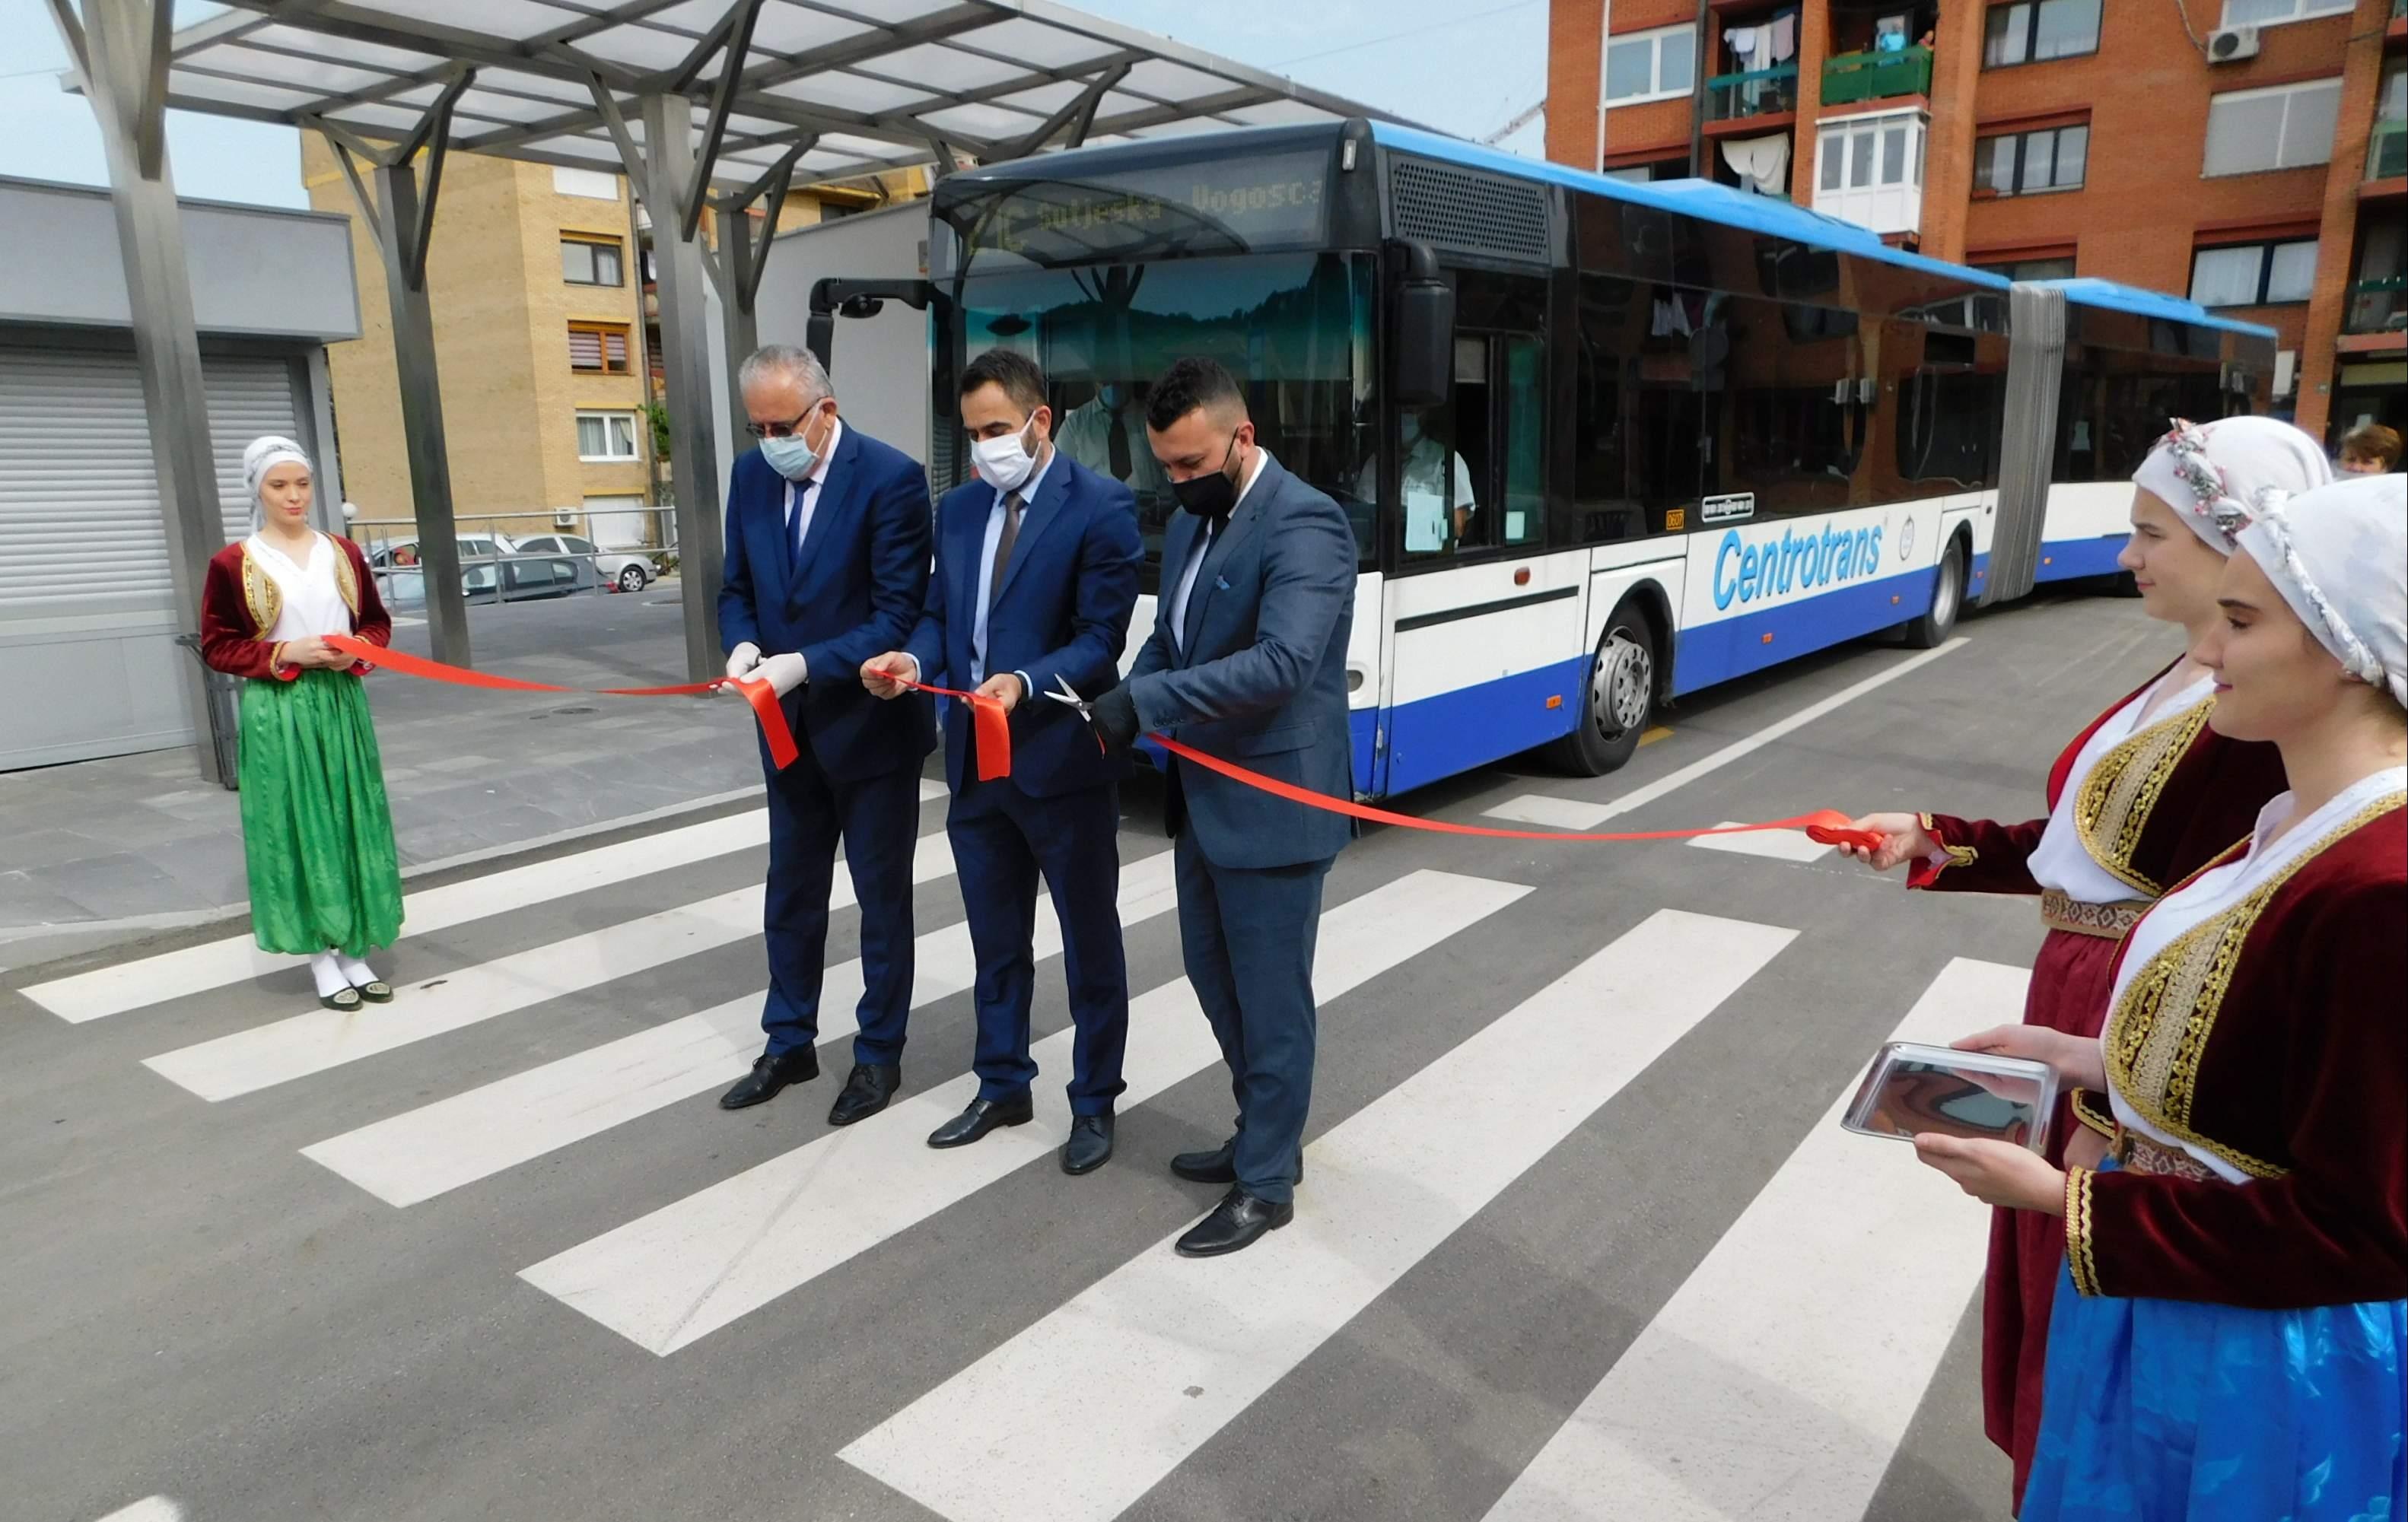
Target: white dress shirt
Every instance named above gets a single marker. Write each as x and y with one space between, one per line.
1204 548
313 600
983 588
801 505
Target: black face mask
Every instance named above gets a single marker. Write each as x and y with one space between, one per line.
1210 496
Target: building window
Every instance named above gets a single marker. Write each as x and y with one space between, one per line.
2026 162
1870 154
1650 65
605 437
2035 30
2281 127
2275 12
591 262
2254 274
2060 268
598 347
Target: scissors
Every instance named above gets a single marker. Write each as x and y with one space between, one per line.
1067 696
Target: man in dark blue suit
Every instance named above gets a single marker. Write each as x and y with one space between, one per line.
1035 577
828 564
1247 661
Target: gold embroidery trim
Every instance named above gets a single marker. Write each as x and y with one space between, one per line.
2117 798
2107 921
2161 1024
347 581
1959 856
2078 1256
2084 1111
261 597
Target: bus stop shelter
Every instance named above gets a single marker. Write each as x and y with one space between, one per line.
717 104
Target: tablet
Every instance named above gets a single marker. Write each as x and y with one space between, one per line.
1910 1090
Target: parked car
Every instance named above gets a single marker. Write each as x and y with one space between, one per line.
493 569
619 571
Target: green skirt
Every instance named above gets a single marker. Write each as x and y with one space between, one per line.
315 829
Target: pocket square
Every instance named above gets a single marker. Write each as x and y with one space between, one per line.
1220 583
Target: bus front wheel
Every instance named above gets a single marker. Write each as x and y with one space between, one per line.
1619 701
1947 600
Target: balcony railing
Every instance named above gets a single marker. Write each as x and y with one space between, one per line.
1876 76
2378 306
1733 97
2387 149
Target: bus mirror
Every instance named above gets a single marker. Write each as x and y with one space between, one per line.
1423 374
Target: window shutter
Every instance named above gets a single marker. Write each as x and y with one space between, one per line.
585 349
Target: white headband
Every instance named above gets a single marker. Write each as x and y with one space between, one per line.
262 455
2339 555
2209 473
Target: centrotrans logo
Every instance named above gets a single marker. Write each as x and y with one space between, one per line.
1744 572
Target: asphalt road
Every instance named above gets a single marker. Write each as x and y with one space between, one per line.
1578 1238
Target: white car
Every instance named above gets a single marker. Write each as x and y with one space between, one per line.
621 573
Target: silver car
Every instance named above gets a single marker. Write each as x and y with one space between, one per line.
617 571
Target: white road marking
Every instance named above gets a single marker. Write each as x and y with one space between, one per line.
1779 844
931 789
1550 813
155 1509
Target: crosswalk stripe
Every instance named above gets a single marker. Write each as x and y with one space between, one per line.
1078 1416
672 1277
1550 812
237 959
1755 1394
265 1056
1774 844
425 1152
153 1509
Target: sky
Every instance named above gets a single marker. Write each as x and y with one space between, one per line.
1463 67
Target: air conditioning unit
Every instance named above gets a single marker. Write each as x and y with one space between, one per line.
563 517
2231 44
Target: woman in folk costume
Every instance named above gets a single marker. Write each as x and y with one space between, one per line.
2144 796
2226 1340
316 831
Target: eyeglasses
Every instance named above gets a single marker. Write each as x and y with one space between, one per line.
781 430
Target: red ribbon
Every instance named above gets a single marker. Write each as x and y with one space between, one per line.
762 697
992 724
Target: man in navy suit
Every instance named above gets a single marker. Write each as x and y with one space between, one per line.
828 564
1035 577
1248 662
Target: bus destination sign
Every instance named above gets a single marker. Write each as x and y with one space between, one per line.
1248 205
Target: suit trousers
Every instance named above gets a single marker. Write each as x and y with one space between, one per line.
1003 839
1248 934
877 819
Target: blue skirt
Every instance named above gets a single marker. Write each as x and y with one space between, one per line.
2178 1411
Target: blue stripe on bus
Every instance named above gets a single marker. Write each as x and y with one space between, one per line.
1450 732
1363 725
1729 647
2064 560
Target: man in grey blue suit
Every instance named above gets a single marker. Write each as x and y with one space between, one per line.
1247 661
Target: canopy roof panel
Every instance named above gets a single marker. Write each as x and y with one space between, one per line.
880 84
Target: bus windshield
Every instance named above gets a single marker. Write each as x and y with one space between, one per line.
1294 329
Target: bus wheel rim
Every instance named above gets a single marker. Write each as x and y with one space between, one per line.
1619 692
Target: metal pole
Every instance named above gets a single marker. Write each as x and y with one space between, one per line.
421 415
121 51
670 174
737 254
1604 44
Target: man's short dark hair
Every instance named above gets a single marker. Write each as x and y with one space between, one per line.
1193 382
1008 368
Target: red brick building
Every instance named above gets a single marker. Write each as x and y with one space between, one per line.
2252 154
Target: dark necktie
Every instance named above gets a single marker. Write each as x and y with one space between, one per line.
1003 546
1122 464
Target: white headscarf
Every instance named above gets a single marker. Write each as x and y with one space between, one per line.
2210 474
262 455
2339 555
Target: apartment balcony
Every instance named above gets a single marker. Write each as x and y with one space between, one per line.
1758 93
2377 305
1851 78
2387 149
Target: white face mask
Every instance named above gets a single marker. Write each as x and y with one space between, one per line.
1004 463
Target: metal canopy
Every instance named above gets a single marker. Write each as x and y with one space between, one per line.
865 85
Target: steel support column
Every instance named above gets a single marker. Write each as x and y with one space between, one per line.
743 255
400 219
121 50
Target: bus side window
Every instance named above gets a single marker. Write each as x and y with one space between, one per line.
1613 321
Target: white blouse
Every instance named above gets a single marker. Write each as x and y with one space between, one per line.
313 601
2211 894
2060 860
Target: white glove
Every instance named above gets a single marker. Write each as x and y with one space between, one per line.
785 672
742 660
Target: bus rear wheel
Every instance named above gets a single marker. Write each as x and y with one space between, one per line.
1947 600
1618 703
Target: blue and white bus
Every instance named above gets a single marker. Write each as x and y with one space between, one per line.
1604 443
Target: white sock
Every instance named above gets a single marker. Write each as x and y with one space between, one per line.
329 978
355 971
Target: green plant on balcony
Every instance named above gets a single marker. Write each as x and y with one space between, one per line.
1732 97
1876 76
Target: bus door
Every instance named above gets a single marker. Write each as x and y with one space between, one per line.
1482 629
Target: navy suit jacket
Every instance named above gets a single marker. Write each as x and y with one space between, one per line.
852 593
1262 679
1062 614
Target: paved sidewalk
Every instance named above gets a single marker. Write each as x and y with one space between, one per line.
99 852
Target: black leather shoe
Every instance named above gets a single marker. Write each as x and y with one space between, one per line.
1089 1145
982 1116
866 1092
770 1075
1236 1223
1218 1166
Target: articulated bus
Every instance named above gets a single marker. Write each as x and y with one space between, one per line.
1604 443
